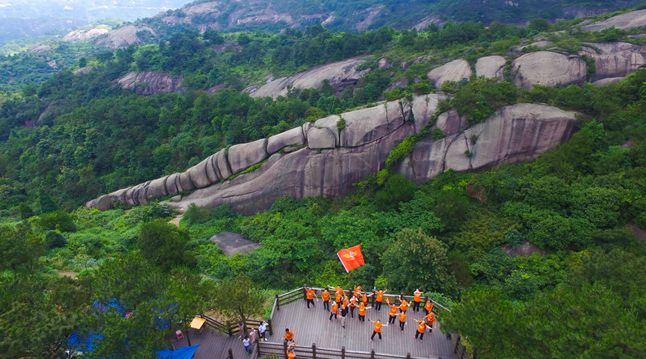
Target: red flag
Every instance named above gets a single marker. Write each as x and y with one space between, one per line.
351 258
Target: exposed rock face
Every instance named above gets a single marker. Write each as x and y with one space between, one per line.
615 59
628 20
125 36
325 161
491 67
515 133
548 69
150 83
607 81
456 70
84 35
340 75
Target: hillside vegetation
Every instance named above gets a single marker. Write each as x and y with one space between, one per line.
544 259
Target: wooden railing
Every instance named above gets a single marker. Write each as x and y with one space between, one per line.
278 350
232 327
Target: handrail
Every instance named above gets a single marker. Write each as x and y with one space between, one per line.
278 348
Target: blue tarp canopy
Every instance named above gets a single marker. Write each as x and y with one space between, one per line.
179 353
84 345
112 304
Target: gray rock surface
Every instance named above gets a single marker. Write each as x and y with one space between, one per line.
628 20
456 70
233 243
615 59
340 75
607 81
548 69
491 67
124 36
150 82
245 155
424 108
328 166
293 137
515 133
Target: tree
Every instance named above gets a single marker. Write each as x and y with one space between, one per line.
19 248
416 260
163 244
238 298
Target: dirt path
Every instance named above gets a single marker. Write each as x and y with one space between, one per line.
175 221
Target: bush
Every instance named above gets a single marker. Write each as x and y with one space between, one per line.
163 244
54 239
480 98
57 220
396 189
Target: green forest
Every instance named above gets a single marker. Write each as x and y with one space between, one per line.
68 138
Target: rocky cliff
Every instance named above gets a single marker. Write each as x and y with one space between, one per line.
125 36
150 83
327 157
628 20
340 75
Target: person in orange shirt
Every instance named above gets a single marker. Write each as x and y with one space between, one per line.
289 335
430 320
364 297
325 295
417 300
428 307
392 313
379 298
403 306
309 295
334 310
421 328
352 305
362 312
338 296
357 291
377 328
291 355
402 320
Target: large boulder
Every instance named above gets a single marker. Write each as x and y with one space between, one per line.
125 36
329 165
366 125
615 59
245 155
150 82
339 74
293 137
628 20
491 67
548 69
424 108
456 70
514 133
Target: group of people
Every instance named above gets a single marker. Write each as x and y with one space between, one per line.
254 335
357 300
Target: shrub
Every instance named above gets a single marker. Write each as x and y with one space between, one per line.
396 189
57 220
163 244
54 239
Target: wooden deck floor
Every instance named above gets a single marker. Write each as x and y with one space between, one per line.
312 326
214 345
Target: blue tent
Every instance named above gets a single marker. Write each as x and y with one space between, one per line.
84 345
179 353
111 304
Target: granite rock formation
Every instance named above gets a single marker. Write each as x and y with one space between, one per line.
326 159
514 133
456 70
548 69
125 36
625 21
150 83
491 67
616 59
340 75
